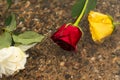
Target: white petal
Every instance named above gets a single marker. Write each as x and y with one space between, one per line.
4 54
12 59
2 69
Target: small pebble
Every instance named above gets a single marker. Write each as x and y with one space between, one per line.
67 76
93 59
62 64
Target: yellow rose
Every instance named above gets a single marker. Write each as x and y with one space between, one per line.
101 26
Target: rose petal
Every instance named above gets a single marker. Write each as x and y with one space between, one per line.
12 59
67 37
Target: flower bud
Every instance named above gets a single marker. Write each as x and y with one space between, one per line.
101 26
12 59
67 37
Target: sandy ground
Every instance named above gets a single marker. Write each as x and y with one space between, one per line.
47 61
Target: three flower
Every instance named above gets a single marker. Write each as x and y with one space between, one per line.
13 58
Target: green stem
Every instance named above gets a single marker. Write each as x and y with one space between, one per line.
116 23
81 15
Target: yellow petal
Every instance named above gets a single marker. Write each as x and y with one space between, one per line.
101 26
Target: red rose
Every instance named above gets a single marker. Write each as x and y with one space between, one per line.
67 37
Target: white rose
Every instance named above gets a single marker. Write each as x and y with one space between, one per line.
12 59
